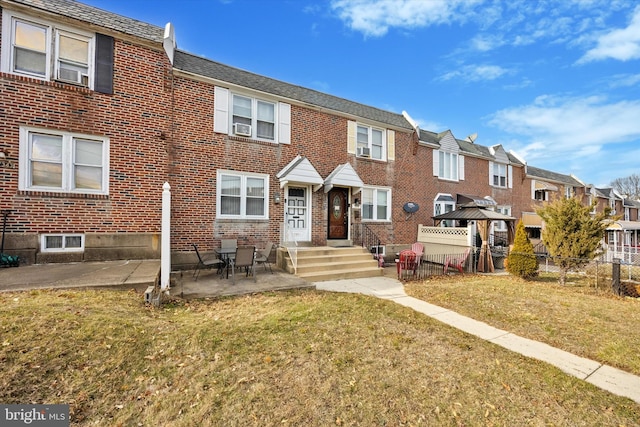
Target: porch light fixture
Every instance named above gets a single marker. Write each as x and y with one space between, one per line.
276 198
356 203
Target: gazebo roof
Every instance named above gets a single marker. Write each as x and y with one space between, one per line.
474 213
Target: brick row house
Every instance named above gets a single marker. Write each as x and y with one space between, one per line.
100 110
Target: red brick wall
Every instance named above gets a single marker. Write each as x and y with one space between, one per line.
319 136
133 118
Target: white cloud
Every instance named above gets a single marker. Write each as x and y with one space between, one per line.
375 17
624 80
573 127
621 44
476 73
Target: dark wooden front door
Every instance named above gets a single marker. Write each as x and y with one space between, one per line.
338 216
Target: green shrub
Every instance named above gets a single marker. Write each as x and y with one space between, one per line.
522 260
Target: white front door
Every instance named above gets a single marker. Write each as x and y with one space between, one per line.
297 214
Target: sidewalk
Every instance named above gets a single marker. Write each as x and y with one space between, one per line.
137 274
605 377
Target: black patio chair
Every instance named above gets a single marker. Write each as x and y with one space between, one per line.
262 257
245 257
206 264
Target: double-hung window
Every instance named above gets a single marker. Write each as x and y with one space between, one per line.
253 118
444 203
502 225
371 142
376 204
242 195
39 49
499 175
63 162
448 165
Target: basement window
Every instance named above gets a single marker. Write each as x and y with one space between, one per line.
62 243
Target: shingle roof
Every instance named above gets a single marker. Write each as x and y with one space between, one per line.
544 174
466 147
93 15
205 67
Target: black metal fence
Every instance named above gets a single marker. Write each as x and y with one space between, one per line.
623 278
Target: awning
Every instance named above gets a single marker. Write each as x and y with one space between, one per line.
624 225
343 176
300 171
465 199
531 220
541 185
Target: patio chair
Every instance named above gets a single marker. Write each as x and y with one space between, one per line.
204 264
229 243
418 248
262 256
456 261
406 262
245 257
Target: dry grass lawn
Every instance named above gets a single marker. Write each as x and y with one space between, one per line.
299 358
577 317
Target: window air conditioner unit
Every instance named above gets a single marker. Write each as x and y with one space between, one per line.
364 152
73 76
242 129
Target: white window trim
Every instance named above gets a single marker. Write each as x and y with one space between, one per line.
223 116
508 175
24 180
459 166
446 222
370 129
375 203
43 243
502 225
53 32
243 196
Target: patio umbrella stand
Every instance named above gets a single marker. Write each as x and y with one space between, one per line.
7 260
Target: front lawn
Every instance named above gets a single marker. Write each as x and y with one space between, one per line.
289 358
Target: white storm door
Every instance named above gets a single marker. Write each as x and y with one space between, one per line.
297 214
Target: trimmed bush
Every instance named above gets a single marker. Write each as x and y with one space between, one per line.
522 260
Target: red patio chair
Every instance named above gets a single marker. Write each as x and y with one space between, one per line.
418 248
456 261
406 262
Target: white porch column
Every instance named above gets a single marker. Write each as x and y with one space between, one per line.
165 241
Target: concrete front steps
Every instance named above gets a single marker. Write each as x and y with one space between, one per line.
316 264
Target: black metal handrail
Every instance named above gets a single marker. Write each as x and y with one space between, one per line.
362 235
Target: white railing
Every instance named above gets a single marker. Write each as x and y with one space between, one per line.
626 253
288 240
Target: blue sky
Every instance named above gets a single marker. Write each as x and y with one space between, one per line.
558 82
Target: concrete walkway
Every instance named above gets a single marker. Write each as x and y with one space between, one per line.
606 377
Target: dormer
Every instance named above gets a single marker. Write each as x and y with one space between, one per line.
500 170
448 163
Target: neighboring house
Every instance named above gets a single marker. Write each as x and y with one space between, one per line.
466 173
622 236
546 186
100 110
85 99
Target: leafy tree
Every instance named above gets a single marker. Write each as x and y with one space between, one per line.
629 186
522 260
571 233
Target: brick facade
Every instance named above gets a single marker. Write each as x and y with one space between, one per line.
160 125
